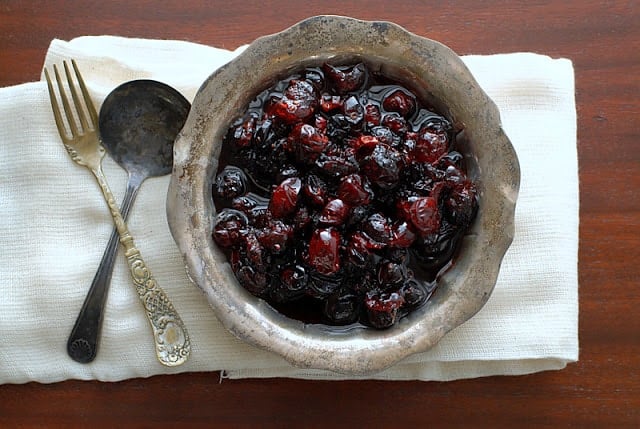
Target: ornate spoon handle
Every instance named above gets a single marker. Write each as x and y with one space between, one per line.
170 334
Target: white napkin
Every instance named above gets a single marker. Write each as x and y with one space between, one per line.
54 226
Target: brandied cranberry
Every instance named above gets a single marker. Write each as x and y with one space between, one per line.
330 102
382 308
399 101
298 102
423 214
243 133
383 166
230 183
227 231
345 79
307 142
334 213
275 235
460 206
431 144
285 197
341 307
354 190
324 249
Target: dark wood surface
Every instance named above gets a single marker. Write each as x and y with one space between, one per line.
601 390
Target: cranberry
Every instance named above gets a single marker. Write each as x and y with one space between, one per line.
460 206
307 141
400 101
341 307
228 228
334 213
298 102
354 190
382 308
346 79
423 214
243 134
372 115
230 183
431 144
275 236
383 166
323 250
285 197
315 190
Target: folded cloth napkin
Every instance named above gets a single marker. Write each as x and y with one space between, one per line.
54 226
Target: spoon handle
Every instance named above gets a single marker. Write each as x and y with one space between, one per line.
82 345
172 342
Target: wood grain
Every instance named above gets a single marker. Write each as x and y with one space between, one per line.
602 38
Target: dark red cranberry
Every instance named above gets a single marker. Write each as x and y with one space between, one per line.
377 229
423 214
243 133
395 123
431 144
354 190
228 228
338 165
461 204
334 213
399 101
390 274
275 236
285 197
372 115
292 284
382 308
345 79
230 183
414 293
383 166
315 191
298 102
324 248
307 142
252 280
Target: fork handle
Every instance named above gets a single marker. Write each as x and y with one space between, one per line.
172 342
82 345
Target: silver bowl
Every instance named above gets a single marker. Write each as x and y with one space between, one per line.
439 76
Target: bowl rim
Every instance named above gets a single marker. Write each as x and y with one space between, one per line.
352 350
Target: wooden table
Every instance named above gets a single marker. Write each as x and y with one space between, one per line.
602 38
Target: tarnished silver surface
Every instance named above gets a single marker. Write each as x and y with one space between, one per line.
439 76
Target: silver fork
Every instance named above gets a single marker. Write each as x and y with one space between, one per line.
172 342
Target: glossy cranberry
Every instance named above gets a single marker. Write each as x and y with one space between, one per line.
298 102
307 142
353 110
383 166
390 274
423 214
315 191
402 234
275 236
414 293
395 123
324 248
382 308
354 190
345 79
285 197
230 183
400 101
372 115
243 133
431 144
461 204
378 230
228 228
334 213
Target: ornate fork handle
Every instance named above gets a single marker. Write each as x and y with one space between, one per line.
171 337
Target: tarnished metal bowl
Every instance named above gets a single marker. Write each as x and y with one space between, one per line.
438 75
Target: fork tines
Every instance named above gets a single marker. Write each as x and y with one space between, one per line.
78 123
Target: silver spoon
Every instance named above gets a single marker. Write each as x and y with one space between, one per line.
139 121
